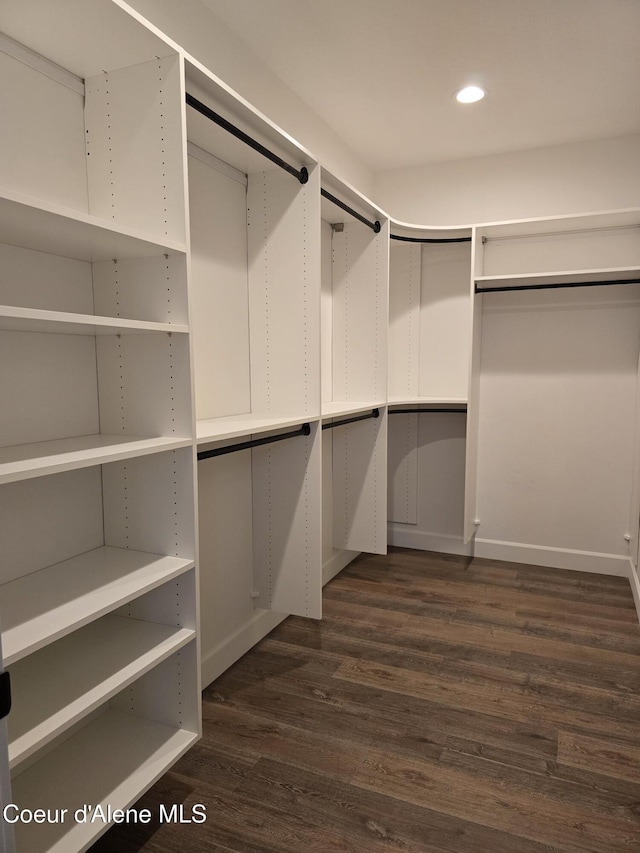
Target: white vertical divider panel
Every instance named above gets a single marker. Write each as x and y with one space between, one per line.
172 603
151 289
444 320
45 165
473 405
218 290
360 485
144 385
404 318
634 509
326 312
133 120
287 525
283 226
403 469
360 312
148 503
7 840
149 697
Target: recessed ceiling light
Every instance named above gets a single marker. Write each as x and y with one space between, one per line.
470 94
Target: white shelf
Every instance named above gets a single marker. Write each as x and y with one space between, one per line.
45 227
23 461
336 409
50 695
564 277
16 319
427 401
127 753
235 426
49 604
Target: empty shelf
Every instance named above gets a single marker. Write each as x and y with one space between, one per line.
42 607
50 696
218 429
337 409
427 401
15 319
128 753
45 227
23 461
564 277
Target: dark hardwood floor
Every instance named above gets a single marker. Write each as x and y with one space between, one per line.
440 705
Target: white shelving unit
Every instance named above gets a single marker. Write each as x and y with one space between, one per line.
355 264
557 382
255 294
96 429
430 310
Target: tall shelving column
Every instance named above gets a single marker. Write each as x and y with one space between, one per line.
355 275
430 300
255 290
96 437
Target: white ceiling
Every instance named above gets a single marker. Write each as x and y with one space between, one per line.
383 73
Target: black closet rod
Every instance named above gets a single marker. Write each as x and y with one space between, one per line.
301 174
305 429
374 225
375 413
510 287
426 411
430 239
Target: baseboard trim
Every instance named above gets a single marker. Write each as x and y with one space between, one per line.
634 583
335 564
404 537
214 663
556 558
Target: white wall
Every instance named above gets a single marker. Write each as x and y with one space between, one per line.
602 174
195 28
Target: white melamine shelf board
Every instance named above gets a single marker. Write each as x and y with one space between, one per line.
23 461
50 696
561 224
235 426
15 319
42 607
45 227
336 409
566 277
427 401
127 755
434 232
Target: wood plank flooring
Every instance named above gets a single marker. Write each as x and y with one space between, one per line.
443 705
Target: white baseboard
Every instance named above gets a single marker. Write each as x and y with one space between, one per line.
406 537
336 564
556 558
634 582
214 663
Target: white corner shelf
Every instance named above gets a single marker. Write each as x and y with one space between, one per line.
236 426
561 277
46 227
24 461
17 319
107 655
426 401
335 409
128 753
46 605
